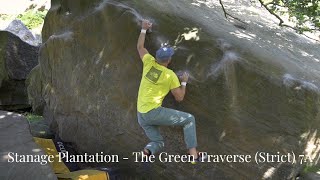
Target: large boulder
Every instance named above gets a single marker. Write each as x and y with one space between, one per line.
252 89
17 59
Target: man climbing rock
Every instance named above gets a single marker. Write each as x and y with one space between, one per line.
157 80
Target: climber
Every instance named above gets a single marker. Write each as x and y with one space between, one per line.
157 80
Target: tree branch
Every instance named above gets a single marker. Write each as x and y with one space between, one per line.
274 4
271 12
311 37
226 14
281 23
224 10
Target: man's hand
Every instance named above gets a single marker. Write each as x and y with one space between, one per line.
184 77
146 24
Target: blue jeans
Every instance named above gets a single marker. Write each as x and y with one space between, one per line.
151 121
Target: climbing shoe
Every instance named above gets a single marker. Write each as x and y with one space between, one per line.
143 154
201 158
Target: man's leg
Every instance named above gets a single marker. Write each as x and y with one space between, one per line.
166 116
153 133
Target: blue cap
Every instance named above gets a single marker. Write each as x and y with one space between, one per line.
164 53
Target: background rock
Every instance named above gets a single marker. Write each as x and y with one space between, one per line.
17 59
17 28
239 91
20 57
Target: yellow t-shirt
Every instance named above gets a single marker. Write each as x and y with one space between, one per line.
155 84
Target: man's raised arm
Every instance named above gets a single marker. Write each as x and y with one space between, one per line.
140 45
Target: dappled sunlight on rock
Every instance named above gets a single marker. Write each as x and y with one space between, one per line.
305 54
268 174
191 35
312 148
247 36
208 3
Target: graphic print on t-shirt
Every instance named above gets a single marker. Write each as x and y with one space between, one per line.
153 75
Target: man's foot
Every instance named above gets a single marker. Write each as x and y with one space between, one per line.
201 158
144 154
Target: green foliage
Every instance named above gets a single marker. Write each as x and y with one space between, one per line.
32 19
33 118
305 13
312 169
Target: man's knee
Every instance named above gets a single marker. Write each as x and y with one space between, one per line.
191 118
191 121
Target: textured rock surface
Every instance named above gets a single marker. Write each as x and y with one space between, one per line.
17 28
20 58
34 90
17 59
311 176
250 90
15 137
13 95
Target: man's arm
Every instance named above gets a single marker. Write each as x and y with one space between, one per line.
140 45
180 92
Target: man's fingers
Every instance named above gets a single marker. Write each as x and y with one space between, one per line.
146 23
